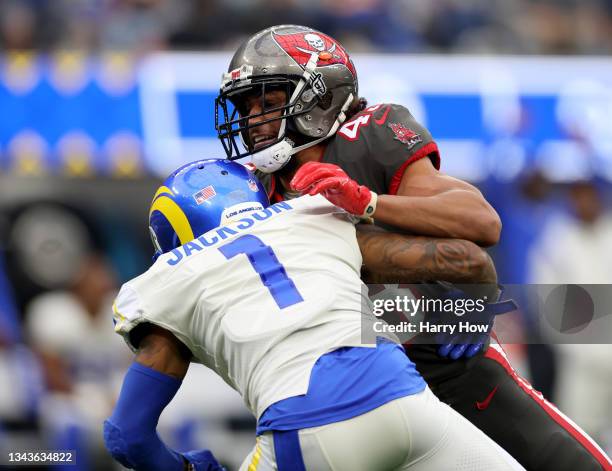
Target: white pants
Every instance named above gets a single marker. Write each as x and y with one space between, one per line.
417 433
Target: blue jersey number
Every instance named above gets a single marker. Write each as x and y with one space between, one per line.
264 261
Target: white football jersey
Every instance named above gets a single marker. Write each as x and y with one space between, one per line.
258 300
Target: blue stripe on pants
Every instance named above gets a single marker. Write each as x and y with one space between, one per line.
288 452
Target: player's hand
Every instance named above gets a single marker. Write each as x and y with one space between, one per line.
466 345
331 181
201 460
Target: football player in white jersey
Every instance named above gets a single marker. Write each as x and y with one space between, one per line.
270 298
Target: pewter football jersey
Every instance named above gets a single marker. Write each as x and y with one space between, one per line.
259 300
375 147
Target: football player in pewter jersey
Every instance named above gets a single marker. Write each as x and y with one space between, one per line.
270 298
290 102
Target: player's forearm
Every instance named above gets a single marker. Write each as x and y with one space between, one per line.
457 214
413 259
130 432
149 386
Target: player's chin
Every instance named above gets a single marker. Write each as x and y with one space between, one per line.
262 144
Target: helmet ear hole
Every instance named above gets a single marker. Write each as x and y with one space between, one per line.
326 100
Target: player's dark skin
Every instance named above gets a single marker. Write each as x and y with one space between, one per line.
161 350
427 201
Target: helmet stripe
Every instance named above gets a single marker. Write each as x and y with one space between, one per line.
161 191
175 216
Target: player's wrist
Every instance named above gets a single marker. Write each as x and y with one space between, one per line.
370 208
197 460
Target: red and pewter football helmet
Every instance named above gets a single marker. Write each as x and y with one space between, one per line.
313 69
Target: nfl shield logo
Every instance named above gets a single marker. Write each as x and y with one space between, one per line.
252 184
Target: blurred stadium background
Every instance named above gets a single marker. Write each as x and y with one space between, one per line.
99 99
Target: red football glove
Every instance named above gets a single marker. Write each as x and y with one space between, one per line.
332 182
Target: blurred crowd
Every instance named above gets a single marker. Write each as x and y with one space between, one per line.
416 26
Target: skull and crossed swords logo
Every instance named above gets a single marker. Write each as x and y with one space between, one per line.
316 42
301 46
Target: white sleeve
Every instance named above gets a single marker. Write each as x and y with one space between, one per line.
127 313
162 296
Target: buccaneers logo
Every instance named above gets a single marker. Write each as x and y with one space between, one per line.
405 135
300 47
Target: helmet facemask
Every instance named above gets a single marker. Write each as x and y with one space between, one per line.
235 126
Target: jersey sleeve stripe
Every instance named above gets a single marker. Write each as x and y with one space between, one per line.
117 313
256 458
426 150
